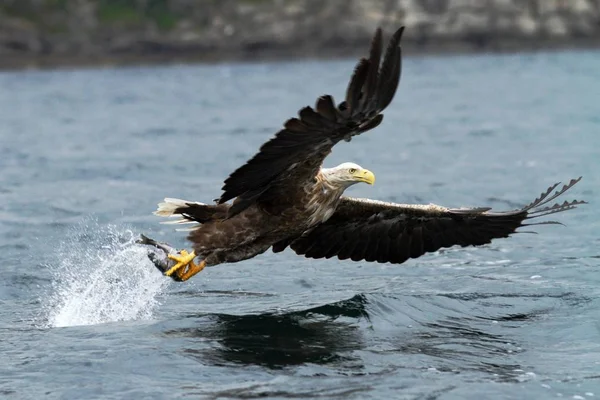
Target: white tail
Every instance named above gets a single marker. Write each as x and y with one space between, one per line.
171 207
175 208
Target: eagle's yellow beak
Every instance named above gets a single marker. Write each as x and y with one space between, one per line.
366 176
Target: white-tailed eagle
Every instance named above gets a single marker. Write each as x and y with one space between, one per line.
283 197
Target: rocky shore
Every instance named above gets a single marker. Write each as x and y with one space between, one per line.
40 33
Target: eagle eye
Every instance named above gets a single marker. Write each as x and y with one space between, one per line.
352 170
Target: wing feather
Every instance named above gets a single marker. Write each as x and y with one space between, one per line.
326 108
373 74
295 154
354 91
392 65
370 230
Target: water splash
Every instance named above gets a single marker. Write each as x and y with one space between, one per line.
103 276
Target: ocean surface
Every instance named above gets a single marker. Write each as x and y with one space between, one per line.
85 156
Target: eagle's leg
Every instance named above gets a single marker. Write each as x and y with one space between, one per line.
192 270
185 267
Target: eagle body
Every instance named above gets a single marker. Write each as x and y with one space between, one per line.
274 222
283 197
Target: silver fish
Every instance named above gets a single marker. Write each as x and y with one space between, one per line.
158 254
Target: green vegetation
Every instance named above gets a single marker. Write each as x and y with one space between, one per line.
135 12
255 2
124 12
57 4
37 14
159 11
119 11
20 9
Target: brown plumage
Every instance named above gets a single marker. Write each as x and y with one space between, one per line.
362 229
284 197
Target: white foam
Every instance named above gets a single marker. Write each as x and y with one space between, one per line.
103 276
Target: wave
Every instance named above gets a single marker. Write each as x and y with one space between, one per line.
478 333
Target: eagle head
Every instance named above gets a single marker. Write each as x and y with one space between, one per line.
347 174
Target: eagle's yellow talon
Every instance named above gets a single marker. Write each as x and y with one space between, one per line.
191 271
183 260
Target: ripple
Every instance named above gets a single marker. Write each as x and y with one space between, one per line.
314 336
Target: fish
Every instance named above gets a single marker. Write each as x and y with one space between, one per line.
158 253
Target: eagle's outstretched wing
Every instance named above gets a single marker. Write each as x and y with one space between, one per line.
296 152
369 230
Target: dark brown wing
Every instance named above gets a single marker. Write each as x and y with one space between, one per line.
298 150
369 230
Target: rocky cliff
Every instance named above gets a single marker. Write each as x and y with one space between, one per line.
48 32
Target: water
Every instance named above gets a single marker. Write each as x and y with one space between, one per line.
85 156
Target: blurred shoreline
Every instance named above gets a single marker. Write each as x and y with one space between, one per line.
32 61
89 33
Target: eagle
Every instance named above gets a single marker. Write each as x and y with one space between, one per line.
284 197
